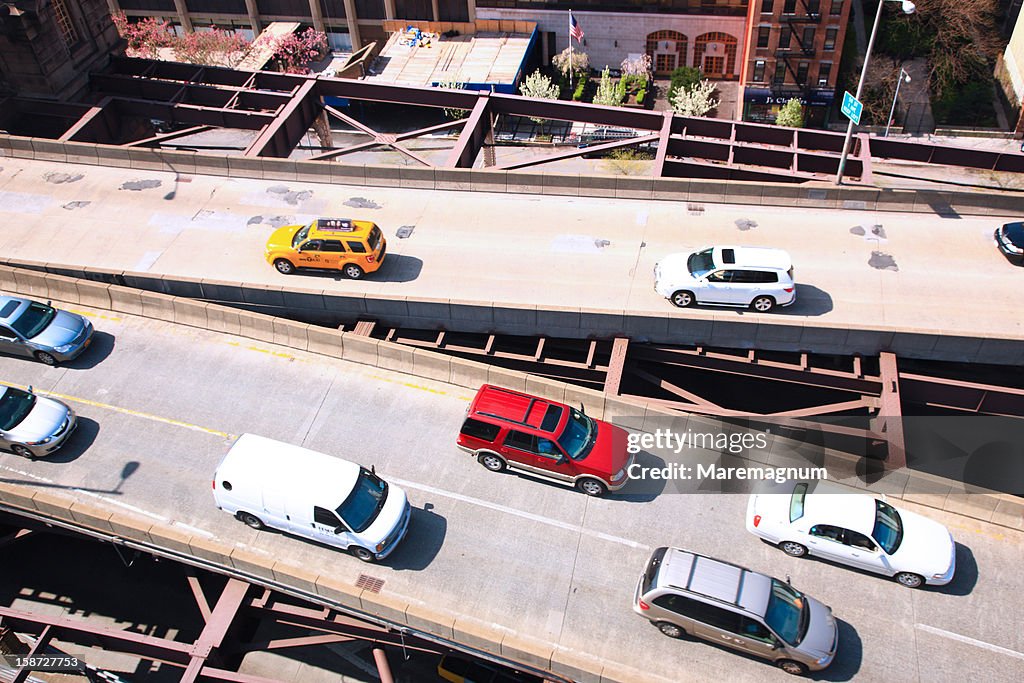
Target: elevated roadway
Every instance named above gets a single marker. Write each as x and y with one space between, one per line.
933 274
161 403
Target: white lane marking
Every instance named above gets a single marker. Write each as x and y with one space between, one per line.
519 513
971 641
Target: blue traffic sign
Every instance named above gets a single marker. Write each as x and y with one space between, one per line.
852 107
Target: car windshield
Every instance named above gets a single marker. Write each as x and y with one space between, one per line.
33 319
579 436
301 235
787 613
700 262
888 527
15 404
366 500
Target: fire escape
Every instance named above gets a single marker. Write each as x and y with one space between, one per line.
795 47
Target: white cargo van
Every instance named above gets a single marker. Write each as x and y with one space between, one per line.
266 483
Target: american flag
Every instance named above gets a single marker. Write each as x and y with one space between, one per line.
574 29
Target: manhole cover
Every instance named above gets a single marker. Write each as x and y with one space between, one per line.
405 231
370 583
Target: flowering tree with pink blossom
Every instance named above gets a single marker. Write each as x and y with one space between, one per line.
145 36
295 51
213 47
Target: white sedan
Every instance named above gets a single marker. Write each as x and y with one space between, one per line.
855 529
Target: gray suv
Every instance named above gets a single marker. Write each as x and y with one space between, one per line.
51 336
683 593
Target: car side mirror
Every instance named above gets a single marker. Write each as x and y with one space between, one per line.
30 389
339 529
582 409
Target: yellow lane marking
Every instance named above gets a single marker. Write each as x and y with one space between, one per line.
421 387
260 349
90 314
129 411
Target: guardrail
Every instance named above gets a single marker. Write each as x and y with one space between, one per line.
989 203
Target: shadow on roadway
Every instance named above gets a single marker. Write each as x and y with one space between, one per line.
101 346
810 301
849 656
396 268
84 436
966 576
422 541
646 489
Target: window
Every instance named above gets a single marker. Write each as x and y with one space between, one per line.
719 618
679 605
34 319
763 33
767 6
754 276
780 72
801 72
830 38
720 276
756 630
837 7
759 71
888 529
551 417
824 71
813 6
480 430
858 540
325 517
312 245
808 40
332 245
521 441
7 333
729 256
789 7
796 503
356 247
827 531
785 36
548 448
67 29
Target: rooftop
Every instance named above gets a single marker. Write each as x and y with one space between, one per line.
425 53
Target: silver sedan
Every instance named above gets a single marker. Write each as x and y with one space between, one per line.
40 331
33 426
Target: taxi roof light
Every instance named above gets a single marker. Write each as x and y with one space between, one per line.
336 224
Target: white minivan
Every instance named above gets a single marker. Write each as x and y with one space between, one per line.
266 483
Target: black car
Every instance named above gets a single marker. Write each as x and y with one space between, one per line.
1010 239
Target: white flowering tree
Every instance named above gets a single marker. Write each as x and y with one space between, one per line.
540 86
607 92
696 100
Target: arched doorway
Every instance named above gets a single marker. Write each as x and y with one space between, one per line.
715 55
667 50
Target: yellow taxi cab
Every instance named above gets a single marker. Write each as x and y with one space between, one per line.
353 247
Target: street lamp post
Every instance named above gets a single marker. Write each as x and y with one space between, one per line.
908 7
904 78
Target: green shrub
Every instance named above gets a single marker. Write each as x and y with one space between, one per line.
684 77
640 95
577 94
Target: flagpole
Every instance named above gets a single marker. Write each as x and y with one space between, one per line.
570 55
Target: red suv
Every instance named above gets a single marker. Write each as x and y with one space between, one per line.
505 428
